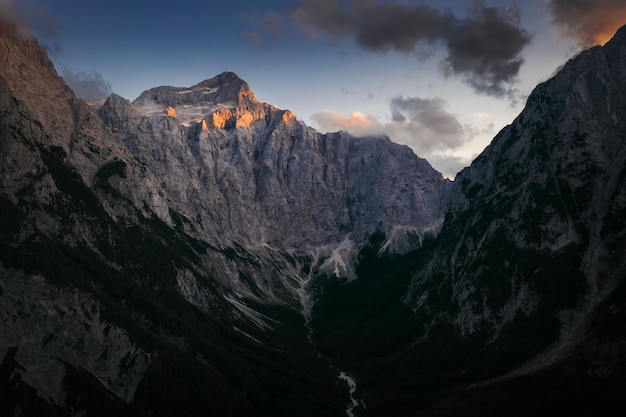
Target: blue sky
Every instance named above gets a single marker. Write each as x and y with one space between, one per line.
440 76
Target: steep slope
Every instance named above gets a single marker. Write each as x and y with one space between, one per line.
513 307
535 227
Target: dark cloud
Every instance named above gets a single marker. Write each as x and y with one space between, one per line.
483 48
589 22
398 26
90 86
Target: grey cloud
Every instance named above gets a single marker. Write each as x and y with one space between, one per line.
422 124
90 86
32 17
425 124
448 165
472 131
589 22
399 26
483 48
323 16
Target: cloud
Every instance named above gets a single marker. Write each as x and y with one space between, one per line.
486 49
449 165
358 124
90 86
589 22
481 115
483 48
32 17
253 38
424 124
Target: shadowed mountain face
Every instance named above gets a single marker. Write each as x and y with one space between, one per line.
199 252
515 304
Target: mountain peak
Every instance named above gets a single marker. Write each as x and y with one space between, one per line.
225 78
202 100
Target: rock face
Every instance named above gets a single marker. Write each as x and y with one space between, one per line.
243 171
50 328
550 186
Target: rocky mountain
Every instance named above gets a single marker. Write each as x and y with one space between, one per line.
235 169
515 304
197 251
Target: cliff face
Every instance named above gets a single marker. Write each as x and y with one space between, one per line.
243 171
549 186
531 256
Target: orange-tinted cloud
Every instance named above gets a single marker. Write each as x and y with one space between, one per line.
589 22
357 123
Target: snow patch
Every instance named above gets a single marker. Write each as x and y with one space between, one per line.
205 90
